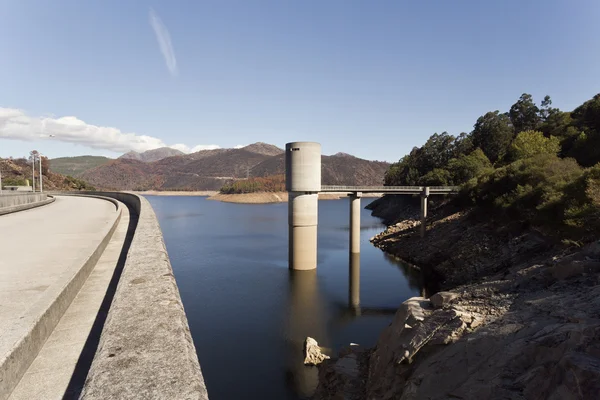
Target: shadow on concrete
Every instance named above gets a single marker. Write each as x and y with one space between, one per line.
84 362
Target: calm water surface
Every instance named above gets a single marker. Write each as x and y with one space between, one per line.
249 315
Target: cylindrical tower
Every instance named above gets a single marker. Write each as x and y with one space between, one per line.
303 183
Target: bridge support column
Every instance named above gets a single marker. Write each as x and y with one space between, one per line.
355 222
303 183
424 196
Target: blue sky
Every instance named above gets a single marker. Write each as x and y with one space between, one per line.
370 78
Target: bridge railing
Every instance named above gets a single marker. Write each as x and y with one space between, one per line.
342 188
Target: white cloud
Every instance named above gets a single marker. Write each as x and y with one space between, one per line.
239 146
164 41
17 125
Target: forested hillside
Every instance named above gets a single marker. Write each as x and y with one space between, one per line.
534 163
75 166
17 172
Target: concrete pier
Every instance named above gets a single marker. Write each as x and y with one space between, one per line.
424 196
303 182
355 222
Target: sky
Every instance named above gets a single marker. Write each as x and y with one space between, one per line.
369 78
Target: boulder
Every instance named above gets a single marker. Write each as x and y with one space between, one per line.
312 352
568 270
441 299
593 250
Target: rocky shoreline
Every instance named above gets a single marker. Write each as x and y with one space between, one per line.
519 317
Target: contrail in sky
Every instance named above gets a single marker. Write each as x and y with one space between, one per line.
164 41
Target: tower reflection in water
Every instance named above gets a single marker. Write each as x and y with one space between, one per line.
306 318
354 283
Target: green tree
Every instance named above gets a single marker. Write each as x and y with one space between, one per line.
586 118
436 177
530 143
463 145
466 167
435 153
524 114
493 134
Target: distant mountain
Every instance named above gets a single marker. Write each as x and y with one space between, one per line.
152 155
338 169
211 169
75 166
263 148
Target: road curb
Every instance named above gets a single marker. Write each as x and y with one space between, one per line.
22 343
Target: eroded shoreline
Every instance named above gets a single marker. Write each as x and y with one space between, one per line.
520 318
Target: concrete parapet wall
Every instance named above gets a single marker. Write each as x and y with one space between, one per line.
11 199
146 348
25 206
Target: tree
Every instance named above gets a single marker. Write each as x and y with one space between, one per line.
435 153
436 177
530 143
524 114
466 167
586 118
33 155
45 165
463 145
493 134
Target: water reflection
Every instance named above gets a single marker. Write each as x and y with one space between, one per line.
354 283
231 265
306 318
414 277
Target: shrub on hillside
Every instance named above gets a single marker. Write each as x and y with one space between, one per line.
543 190
274 183
531 143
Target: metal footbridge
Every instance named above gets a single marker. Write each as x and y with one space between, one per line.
390 189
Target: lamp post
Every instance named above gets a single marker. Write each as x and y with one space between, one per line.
41 176
33 173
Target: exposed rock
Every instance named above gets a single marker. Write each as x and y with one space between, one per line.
593 250
441 299
312 352
528 328
344 378
566 270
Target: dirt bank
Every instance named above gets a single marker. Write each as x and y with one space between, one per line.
520 319
176 193
251 198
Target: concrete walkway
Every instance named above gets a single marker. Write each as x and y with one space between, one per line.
51 375
37 246
46 254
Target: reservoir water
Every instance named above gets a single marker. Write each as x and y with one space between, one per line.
249 314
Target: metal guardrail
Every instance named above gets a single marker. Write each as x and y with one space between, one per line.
383 189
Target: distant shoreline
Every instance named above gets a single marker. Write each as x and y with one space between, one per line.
204 193
246 198
272 197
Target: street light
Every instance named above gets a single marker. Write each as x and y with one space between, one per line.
41 175
33 173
